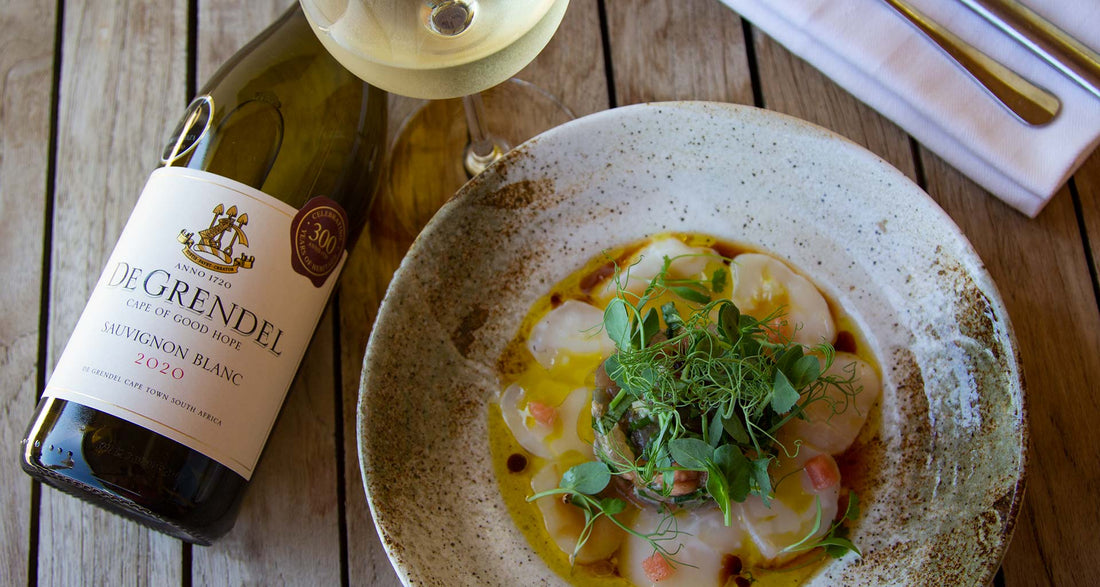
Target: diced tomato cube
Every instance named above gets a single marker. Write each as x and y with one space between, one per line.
657 568
822 471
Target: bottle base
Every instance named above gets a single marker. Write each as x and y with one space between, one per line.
119 506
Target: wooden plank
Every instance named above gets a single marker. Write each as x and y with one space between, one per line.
571 68
225 26
288 527
122 86
691 50
1087 181
26 85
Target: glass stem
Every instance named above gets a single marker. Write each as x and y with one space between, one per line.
483 147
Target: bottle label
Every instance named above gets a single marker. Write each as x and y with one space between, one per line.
197 325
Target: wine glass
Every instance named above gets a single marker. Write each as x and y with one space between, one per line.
458 55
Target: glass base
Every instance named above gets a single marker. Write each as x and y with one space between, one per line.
426 156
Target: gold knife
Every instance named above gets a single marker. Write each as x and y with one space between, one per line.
1028 102
1042 37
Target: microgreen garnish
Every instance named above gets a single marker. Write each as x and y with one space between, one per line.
582 484
702 388
715 371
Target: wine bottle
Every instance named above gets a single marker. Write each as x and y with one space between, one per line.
161 403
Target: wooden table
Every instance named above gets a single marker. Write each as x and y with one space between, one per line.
90 90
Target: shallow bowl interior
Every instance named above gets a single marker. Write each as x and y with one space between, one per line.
945 449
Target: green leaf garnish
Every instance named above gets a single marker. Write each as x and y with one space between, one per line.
763 481
835 542
672 319
736 430
784 395
736 470
616 321
712 433
588 478
718 280
690 453
612 505
691 294
852 511
804 371
707 388
650 326
729 322
837 547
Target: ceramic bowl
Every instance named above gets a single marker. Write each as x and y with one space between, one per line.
944 451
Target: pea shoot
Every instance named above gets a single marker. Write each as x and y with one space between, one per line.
706 392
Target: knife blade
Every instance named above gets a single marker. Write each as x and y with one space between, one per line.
1058 48
1028 102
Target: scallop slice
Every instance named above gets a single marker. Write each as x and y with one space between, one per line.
564 522
574 327
540 439
789 516
704 540
643 266
764 285
834 432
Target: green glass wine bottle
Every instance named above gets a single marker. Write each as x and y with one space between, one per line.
163 399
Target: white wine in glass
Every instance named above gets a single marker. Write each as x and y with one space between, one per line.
434 49
455 54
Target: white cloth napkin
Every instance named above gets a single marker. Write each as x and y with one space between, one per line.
875 54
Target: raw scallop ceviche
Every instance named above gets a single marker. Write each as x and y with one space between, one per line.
672 415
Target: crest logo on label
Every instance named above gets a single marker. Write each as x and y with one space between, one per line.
214 248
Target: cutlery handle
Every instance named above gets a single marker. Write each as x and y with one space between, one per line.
1065 53
1028 102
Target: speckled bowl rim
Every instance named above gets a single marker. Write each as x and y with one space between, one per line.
532 158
